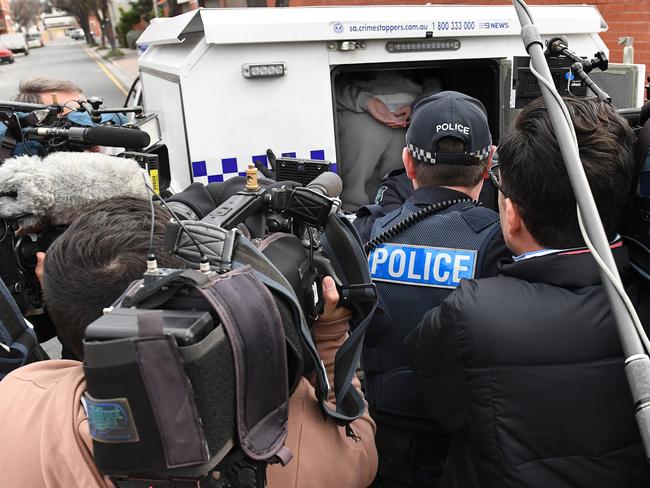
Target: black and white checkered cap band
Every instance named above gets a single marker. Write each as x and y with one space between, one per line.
430 158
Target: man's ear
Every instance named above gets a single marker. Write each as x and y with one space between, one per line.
409 164
512 217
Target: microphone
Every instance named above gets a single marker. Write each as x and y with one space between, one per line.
54 190
327 184
98 136
557 45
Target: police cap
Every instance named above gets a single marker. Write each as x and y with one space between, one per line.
449 114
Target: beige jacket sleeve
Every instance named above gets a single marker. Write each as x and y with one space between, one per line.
329 336
323 455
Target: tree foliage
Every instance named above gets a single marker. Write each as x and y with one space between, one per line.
99 8
25 12
140 10
81 9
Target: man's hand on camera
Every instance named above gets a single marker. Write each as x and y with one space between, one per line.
331 311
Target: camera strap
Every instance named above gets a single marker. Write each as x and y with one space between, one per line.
252 323
227 247
19 340
342 243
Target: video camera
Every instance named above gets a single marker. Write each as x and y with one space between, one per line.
234 338
569 71
37 129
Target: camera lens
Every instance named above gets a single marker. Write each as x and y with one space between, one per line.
25 253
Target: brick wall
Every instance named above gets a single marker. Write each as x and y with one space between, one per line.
5 21
624 17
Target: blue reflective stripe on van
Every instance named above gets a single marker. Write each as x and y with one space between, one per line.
220 169
421 265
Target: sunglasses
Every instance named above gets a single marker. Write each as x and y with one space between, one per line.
495 178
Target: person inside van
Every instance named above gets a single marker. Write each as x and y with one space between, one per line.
373 112
85 270
525 369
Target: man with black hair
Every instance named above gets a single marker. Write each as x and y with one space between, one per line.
85 270
525 369
417 254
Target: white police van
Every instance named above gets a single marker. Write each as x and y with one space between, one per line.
228 84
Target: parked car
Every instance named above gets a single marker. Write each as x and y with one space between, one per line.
6 56
78 34
34 39
15 42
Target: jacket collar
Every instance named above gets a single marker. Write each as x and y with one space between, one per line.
427 195
566 269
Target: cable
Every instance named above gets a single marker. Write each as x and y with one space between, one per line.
64 106
180 222
144 178
411 220
558 99
527 10
22 136
617 284
601 263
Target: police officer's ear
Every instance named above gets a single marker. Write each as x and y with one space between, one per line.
486 170
409 164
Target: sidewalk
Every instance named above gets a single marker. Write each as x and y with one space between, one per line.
124 68
127 63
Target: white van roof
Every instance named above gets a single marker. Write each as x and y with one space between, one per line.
300 24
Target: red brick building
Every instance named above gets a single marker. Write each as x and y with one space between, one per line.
5 17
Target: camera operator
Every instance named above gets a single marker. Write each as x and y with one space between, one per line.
85 270
38 198
42 90
525 369
51 91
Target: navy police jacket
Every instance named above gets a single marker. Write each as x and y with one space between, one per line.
414 271
526 369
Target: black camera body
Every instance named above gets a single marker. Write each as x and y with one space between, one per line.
203 318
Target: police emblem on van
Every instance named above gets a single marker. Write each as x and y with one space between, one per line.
436 267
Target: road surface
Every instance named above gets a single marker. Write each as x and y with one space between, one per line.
65 59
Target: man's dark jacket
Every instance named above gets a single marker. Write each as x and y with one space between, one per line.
526 370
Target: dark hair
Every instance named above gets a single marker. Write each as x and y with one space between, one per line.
449 174
89 266
534 176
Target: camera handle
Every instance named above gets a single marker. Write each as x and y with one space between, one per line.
579 70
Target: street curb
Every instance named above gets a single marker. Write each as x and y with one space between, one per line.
123 72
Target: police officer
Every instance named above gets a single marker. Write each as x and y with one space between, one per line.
392 192
418 253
